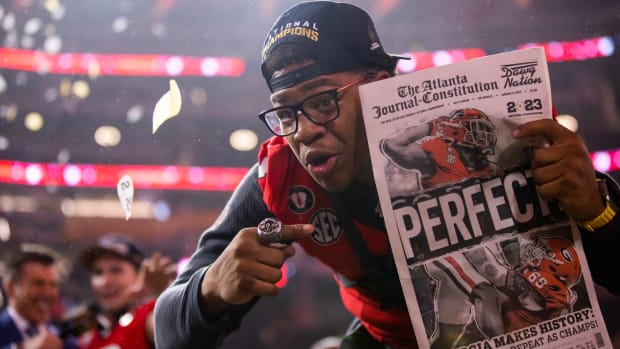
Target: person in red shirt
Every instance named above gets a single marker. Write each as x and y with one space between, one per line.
125 284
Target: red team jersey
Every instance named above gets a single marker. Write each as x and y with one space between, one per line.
450 167
130 335
294 197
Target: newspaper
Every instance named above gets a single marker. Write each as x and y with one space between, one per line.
483 261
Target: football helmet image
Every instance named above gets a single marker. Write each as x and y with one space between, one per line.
546 292
555 255
470 128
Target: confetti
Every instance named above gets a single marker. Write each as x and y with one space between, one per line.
168 106
124 188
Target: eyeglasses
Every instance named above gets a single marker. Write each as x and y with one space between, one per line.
321 109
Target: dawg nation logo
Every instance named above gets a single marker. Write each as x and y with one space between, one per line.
520 74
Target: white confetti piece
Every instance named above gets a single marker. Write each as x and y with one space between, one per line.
168 106
124 188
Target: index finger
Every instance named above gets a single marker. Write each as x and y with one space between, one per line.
294 232
548 128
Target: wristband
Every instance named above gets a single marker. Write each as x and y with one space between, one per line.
608 214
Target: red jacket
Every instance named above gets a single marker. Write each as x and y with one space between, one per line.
294 197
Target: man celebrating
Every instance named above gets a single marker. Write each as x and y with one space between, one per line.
315 176
32 290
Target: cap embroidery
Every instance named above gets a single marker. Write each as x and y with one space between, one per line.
310 31
374 42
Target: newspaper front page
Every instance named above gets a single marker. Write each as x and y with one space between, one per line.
483 261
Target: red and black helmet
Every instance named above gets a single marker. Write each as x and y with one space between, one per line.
470 128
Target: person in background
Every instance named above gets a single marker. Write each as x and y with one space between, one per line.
315 176
125 285
31 283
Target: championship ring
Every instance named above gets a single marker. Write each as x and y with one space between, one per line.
270 231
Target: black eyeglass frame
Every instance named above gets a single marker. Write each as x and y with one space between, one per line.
296 108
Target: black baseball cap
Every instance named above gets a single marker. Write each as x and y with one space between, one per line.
116 246
340 37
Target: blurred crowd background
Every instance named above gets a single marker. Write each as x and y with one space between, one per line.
79 80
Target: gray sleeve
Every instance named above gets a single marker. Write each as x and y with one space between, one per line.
179 321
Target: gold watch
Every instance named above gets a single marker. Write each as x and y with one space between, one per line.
606 216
